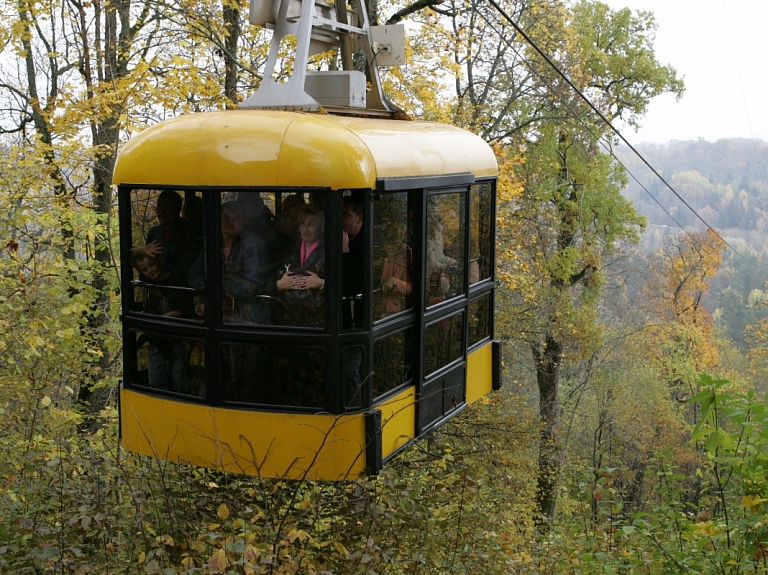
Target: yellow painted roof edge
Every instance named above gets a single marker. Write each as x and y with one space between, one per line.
275 149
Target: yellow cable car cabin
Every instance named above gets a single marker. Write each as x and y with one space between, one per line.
304 294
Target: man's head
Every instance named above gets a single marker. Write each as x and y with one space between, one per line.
352 215
232 220
168 208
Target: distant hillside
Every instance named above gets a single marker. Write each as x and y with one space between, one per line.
726 182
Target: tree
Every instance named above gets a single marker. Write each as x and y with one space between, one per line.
89 74
674 292
571 214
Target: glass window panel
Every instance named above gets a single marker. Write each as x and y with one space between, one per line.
354 264
392 255
479 326
295 287
273 266
274 375
352 392
392 362
444 342
481 240
445 256
170 363
167 238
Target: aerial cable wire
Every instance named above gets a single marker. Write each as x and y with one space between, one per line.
605 120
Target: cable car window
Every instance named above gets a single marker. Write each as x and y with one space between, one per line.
243 261
481 232
444 339
392 255
479 327
169 363
445 255
166 238
297 275
274 375
392 362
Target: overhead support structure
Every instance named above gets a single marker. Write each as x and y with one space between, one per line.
318 27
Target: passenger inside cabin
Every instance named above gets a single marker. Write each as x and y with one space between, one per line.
242 266
286 226
353 259
242 282
302 280
172 240
192 213
288 215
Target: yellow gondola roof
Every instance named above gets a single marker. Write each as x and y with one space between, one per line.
271 149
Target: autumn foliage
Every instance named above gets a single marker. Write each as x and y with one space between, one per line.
607 451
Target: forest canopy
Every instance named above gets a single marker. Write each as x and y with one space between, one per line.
608 450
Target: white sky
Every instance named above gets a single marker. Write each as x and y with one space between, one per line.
720 47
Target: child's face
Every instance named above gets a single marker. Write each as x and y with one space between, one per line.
199 309
151 269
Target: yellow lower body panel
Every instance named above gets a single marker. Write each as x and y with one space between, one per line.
264 444
479 372
398 421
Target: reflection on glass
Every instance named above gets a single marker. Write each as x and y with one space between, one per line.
479 319
443 342
392 362
392 255
273 375
481 238
166 238
170 363
445 256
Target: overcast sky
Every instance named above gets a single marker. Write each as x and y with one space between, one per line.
720 47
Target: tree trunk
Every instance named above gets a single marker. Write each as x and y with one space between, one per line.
110 67
547 358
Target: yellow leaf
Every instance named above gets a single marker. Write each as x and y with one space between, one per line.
223 511
218 562
752 502
707 529
45 401
306 504
251 554
142 556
